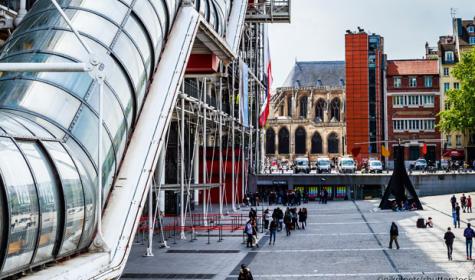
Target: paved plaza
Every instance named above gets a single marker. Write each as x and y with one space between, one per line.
343 240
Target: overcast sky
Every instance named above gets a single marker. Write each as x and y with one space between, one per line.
318 28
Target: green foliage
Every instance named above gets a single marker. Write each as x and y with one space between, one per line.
461 113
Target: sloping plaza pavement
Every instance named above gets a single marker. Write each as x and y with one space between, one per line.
344 239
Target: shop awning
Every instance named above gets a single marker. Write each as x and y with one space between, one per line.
454 153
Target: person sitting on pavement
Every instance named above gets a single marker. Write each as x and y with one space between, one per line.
429 223
245 273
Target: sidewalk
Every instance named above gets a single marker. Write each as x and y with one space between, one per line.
343 240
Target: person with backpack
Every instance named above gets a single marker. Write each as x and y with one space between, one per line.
393 234
272 231
449 242
469 235
245 273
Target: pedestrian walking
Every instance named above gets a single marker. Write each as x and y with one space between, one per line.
463 202
287 221
245 273
469 235
266 219
272 231
301 218
325 196
449 242
248 231
469 204
457 215
393 234
453 200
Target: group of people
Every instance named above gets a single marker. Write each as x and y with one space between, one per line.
466 203
449 238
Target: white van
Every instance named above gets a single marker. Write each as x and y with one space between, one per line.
323 165
346 165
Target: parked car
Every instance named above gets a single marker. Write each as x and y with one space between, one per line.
346 165
323 165
374 166
301 165
420 164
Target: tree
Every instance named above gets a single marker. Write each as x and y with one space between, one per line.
460 113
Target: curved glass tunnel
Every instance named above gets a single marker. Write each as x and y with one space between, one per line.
49 121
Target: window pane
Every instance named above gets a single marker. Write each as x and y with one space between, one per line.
132 61
49 198
40 98
139 37
149 18
104 7
55 131
73 196
22 204
12 127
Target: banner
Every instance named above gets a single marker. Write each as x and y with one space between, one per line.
265 108
385 152
244 96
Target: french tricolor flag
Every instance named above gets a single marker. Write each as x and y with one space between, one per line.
265 108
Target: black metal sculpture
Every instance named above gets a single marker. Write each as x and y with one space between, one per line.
400 185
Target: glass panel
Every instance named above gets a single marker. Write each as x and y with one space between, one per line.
132 61
149 18
91 24
40 98
12 127
85 131
26 42
38 20
138 35
77 83
54 130
103 6
73 197
161 10
49 198
88 177
23 206
113 117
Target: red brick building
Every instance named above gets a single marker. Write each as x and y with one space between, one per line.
413 102
365 64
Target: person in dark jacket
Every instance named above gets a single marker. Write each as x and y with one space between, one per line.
302 218
393 234
449 242
245 273
457 215
469 235
272 231
288 221
453 200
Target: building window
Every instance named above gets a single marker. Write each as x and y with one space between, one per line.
319 83
303 106
397 82
428 81
398 101
449 56
289 106
458 141
427 125
335 110
300 141
446 87
471 29
471 40
446 71
317 147
456 85
281 110
428 101
342 83
270 141
413 82
449 140
320 110
284 141
333 144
